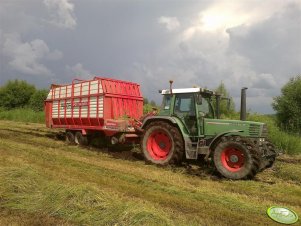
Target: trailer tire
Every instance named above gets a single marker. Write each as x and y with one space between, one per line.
162 144
70 138
80 139
236 158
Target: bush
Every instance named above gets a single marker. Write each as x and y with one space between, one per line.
288 105
148 106
36 101
16 94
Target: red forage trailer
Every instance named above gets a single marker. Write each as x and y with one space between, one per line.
84 107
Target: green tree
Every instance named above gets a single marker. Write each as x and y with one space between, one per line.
36 101
148 106
15 94
153 103
288 105
145 101
226 109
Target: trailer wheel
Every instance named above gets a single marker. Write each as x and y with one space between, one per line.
80 139
70 138
236 158
162 144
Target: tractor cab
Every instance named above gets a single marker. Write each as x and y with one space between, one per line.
189 105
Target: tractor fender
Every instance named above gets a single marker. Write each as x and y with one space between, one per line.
150 119
216 139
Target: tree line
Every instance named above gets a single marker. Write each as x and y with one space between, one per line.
20 94
288 106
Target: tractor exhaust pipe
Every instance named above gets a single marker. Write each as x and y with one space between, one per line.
243 104
170 86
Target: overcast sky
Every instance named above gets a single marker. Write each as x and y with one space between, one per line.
251 43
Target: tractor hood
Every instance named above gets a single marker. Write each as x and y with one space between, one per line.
213 127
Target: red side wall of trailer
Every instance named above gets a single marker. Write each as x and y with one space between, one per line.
91 104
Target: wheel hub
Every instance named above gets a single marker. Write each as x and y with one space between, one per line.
159 144
162 145
234 158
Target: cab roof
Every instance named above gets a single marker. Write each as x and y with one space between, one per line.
188 90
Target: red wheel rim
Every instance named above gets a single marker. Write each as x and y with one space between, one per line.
232 159
159 145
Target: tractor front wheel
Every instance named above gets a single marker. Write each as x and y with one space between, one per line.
236 158
162 144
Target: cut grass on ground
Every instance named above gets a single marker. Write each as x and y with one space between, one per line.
43 181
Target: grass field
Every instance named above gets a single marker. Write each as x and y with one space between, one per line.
43 181
22 115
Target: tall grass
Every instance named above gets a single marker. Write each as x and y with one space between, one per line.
22 115
289 143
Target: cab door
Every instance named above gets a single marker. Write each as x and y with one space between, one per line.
184 109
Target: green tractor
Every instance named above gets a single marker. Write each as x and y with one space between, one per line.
187 126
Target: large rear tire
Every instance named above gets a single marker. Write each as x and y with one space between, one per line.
236 158
162 144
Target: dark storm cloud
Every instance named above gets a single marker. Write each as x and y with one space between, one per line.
150 42
272 46
25 52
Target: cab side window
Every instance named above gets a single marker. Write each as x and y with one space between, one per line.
184 104
204 109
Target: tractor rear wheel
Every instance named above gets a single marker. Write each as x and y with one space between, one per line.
236 158
80 139
162 144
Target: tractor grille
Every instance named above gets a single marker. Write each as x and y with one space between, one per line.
264 132
254 130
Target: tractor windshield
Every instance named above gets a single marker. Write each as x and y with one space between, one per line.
184 104
166 102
